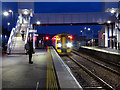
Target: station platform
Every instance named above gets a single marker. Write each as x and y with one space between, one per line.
106 54
48 71
106 50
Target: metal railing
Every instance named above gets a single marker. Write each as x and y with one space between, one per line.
12 34
10 41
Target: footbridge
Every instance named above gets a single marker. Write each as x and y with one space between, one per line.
73 18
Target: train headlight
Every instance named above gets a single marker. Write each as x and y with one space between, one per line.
69 45
59 45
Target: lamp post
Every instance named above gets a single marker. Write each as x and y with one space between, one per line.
8 25
92 39
10 11
81 35
7 14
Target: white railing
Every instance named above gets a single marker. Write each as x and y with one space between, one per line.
12 34
10 41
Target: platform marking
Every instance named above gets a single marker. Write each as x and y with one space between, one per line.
51 77
68 70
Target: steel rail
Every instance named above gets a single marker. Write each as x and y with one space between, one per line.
101 65
106 85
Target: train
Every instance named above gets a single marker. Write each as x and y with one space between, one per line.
62 43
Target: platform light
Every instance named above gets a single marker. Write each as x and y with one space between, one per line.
38 22
112 10
59 45
8 24
69 45
10 11
81 31
5 36
26 12
5 13
88 29
108 21
85 28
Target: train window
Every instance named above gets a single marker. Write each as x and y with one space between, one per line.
58 41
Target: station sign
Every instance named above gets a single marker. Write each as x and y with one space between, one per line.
33 31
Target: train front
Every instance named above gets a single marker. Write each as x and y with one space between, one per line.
62 43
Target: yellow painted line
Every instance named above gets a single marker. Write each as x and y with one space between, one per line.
51 77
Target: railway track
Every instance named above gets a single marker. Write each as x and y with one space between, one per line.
98 63
103 60
102 83
108 76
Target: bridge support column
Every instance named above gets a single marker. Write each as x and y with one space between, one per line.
110 35
118 38
106 36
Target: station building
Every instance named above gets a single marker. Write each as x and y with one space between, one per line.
109 36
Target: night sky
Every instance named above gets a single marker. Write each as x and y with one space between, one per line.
57 7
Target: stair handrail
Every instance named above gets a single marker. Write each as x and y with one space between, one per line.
10 40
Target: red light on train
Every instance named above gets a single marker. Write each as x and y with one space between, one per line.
70 24
54 38
46 37
71 37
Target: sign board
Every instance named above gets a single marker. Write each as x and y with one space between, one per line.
33 31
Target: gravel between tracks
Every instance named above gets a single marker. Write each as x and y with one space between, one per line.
109 77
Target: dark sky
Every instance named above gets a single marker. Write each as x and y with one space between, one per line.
57 7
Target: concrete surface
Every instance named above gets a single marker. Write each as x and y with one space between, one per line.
18 73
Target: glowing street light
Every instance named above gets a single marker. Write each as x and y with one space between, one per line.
112 11
8 24
5 13
38 22
109 22
25 11
81 31
88 29
10 11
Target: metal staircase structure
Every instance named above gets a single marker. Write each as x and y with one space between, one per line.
15 43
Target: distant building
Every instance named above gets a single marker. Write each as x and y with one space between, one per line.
109 36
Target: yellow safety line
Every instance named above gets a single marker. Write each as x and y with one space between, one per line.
51 77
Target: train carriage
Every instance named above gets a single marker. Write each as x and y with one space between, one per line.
62 43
